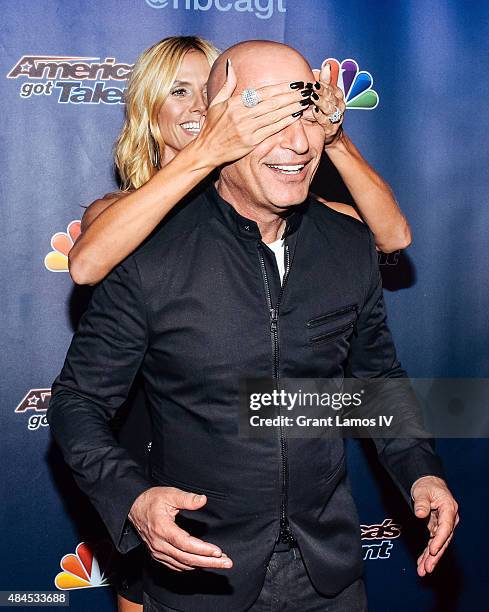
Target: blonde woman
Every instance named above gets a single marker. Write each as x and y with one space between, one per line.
170 142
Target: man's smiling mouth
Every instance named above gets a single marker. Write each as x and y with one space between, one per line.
287 168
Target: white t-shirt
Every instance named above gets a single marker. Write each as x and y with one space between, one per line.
279 252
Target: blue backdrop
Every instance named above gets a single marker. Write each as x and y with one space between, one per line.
427 137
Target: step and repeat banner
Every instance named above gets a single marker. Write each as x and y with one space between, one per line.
416 86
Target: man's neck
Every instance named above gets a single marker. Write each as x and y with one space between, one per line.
270 224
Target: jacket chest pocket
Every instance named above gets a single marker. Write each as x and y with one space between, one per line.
333 325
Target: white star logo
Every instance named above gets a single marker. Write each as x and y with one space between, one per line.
33 399
25 67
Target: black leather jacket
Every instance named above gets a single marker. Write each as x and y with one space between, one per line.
197 308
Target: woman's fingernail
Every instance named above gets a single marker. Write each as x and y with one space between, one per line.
305 93
228 61
316 109
297 85
305 102
317 85
314 96
297 114
309 85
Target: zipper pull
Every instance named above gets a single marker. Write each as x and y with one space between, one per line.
273 319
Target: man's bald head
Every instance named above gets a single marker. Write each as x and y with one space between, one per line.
277 172
258 63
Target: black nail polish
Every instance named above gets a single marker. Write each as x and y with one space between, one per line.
297 85
317 85
309 85
316 109
297 114
314 96
305 93
305 102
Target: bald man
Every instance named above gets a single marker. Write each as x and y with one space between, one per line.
251 279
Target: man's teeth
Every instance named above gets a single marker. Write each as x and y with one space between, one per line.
287 169
192 126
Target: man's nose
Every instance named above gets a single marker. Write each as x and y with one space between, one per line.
294 137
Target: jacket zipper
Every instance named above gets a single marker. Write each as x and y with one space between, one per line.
285 535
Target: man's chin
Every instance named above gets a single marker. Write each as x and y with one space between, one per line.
294 197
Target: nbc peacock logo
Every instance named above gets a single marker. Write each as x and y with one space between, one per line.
355 84
61 243
83 569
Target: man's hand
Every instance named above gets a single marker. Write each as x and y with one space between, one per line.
433 500
153 514
325 100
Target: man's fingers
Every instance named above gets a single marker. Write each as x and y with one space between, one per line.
184 500
419 559
181 540
428 562
432 560
228 88
446 524
422 505
171 563
191 560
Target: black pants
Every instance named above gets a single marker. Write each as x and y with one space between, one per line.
287 588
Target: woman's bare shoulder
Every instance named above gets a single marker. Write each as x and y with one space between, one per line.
94 209
340 207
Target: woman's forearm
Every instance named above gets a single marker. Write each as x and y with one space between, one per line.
122 226
372 195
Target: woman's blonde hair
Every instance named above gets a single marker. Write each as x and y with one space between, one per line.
140 144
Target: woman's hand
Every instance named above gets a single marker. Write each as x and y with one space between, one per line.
231 130
326 99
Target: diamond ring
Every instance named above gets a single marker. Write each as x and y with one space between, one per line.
250 98
336 116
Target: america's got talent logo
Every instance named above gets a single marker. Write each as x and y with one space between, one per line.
71 79
35 404
378 539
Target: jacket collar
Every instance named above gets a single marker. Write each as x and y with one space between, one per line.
243 227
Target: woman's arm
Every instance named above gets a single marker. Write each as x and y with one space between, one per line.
114 226
372 195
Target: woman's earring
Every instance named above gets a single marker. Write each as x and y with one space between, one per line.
154 152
